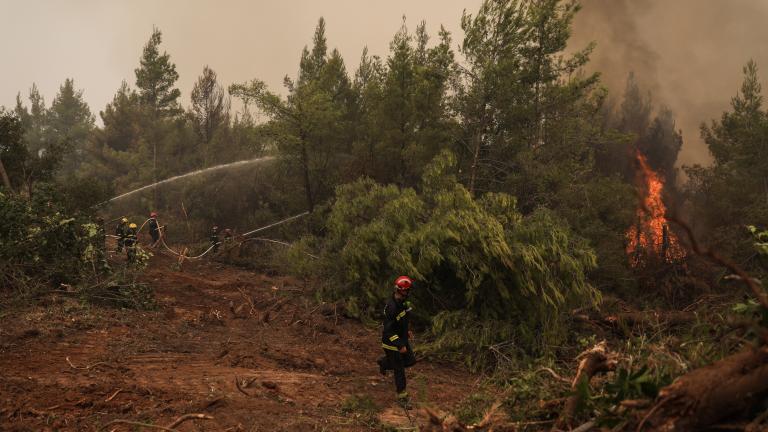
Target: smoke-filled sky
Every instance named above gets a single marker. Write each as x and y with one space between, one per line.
688 52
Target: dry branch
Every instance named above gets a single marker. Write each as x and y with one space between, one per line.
169 428
593 361
88 367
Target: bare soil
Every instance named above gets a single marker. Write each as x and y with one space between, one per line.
66 366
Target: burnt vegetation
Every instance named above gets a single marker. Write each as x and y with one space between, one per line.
562 256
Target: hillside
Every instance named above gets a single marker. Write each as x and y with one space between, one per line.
72 367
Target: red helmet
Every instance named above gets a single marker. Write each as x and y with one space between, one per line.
403 283
153 214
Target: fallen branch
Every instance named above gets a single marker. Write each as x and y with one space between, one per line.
169 428
187 417
593 361
113 395
89 367
554 374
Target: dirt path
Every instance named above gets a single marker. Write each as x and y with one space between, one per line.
66 366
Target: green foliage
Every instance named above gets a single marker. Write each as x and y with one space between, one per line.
43 243
731 193
473 408
488 273
156 78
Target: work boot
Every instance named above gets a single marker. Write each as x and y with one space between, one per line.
382 369
404 400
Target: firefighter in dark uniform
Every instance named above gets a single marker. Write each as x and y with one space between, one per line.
120 230
395 336
215 238
130 242
154 229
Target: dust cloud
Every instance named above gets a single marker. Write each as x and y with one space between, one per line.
688 53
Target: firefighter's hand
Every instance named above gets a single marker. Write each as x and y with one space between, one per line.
410 335
403 350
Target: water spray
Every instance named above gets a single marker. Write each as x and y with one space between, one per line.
190 174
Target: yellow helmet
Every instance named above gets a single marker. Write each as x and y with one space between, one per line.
124 220
133 225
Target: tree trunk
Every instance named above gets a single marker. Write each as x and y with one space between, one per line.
474 167
305 169
4 174
712 393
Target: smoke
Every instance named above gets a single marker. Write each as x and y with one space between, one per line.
688 53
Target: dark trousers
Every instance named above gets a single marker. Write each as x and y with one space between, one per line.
155 237
397 362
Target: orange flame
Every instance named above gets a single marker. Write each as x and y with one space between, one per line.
651 235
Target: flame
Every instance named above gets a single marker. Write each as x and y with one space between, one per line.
651 236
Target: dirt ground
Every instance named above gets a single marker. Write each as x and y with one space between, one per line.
304 367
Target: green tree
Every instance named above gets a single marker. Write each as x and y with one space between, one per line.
13 153
733 192
405 118
521 97
306 125
485 272
209 110
70 124
156 77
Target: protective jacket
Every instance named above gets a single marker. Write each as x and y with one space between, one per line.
395 332
154 228
120 229
130 237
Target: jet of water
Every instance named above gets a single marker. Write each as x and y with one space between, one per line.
190 174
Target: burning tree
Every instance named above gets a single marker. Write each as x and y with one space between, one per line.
650 238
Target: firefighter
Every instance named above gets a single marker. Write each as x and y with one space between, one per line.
130 242
215 238
154 229
120 231
228 236
395 336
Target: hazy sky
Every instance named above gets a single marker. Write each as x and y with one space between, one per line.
98 43
689 52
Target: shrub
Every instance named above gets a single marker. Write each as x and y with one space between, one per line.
485 274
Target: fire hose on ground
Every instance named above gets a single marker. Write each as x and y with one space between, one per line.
213 246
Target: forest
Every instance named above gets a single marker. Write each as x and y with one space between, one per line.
569 273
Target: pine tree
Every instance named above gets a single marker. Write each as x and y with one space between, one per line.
156 77
308 124
209 110
733 192
69 124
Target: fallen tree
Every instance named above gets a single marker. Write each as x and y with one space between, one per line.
711 393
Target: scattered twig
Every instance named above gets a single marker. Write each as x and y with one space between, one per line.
89 367
187 417
169 428
554 374
113 395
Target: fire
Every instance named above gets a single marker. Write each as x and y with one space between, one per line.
651 236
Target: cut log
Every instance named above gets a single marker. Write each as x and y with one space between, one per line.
711 394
